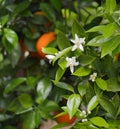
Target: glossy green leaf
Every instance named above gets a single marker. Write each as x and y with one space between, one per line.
62 63
9 39
38 118
62 53
48 9
99 121
44 87
62 41
109 46
110 6
92 103
25 100
86 59
29 120
59 74
107 106
82 71
64 85
99 28
78 29
73 104
101 83
97 41
49 50
109 29
13 84
82 88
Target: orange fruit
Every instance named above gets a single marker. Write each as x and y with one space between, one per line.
64 118
44 40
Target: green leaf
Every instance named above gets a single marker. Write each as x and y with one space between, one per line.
44 87
97 41
110 45
14 56
109 29
82 71
4 20
17 108
78 29
82 88
107 106
49 50
21 6
92 103
64 85
86 59
29 120
62 53
25 100
62 41
13 84
73 104
110 6
101 83
59 74
57 4
99 121
113 85
48 9
38 118
62 63
9 39
96 28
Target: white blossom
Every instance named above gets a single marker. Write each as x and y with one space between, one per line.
93 77
50 57
71 62
83 113
84 120
78 43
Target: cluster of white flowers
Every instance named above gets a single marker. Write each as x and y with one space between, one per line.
93 77
83 113
71 62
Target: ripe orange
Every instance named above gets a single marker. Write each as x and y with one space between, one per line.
64 118
44 40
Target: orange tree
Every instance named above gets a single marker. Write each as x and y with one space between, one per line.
77 75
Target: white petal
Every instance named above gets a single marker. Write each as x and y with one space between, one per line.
81 48
72 69
74 47
50 57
